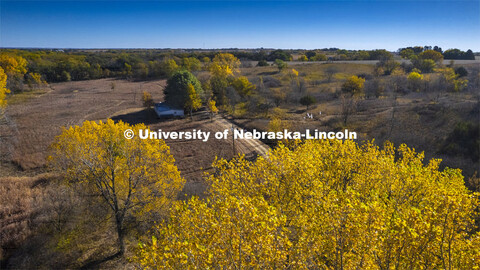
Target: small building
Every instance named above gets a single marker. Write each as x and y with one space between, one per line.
166 111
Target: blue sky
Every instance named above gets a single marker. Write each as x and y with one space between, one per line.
240 24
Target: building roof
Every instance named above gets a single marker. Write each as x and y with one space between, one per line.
162 107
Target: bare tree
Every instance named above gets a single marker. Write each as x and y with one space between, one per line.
349 106
330 72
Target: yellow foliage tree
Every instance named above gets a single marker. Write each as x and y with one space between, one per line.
3 89
170 66
414 80
133 176
193 101
302 58
353 85
191 63
13 64
34 80
224 64
147 99
324 205
212 108
453 80
243 86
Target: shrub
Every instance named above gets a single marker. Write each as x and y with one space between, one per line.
147 99
353 85
307 101
262 63
461 72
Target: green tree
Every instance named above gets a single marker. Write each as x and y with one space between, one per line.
176 91
461 72
281 65
319 57
307 101
279 54
262 63
469 55
406 53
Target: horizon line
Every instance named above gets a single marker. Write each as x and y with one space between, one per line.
207 49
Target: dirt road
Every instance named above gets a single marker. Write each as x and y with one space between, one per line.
249 147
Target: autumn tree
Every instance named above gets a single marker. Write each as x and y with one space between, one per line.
452 80
431 54
386 66
243 86
34 80
193 101
3 90
303 58
147 99
169 67
15 67
13 64
223 69
415 80
212 109
326 204
407 53
191 64
224 64
353 85
133 176
319 57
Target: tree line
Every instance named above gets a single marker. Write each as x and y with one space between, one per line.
454 54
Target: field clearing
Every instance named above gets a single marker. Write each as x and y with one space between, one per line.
37 120
422 120
39 117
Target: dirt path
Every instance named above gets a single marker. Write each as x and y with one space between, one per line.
246 146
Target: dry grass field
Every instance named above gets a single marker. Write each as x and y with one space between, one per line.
39 117
422 120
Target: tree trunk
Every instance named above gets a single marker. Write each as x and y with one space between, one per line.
120 234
